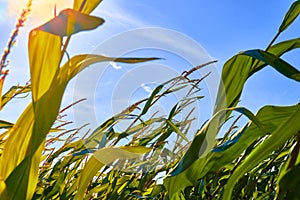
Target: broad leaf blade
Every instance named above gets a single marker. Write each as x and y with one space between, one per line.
44 58
34 126
277 63
193 165
278 138
278 50
234 75
16 145
69 22
104 157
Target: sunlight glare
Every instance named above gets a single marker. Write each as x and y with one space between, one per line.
41 9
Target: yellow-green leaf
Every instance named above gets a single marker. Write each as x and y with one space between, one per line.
16 145
1 87
86 6
44 59
104 157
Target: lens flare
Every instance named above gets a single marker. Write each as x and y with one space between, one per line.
41 9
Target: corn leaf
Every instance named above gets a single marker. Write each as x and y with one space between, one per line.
151 98
69 22
104 157
289 183
277 139
239 68
234 75
1 88
270 117
290 16
3 192
17 143
277 63
278 50
31 129
197 156
86 6
176 130
21 183
13 92
44 58
5 124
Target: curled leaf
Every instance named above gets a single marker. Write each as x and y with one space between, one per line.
69 22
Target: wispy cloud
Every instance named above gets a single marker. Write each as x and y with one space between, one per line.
113 13
146 88
115 65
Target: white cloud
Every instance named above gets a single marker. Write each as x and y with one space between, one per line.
115 65
146 88
114 14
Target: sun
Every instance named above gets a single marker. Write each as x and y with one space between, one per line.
41 9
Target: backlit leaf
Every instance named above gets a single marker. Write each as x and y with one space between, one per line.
13 92
234 75
86 6
31 129
5 124
104 157
1 88
44 58
69 22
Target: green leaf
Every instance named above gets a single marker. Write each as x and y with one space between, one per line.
278 50
3 192
21 183
280 65
69 22
270 118
277 139
176 130
151 98
234 75
240 67
290 181
86 6
290 16
192 167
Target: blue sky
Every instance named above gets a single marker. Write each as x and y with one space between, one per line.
222 28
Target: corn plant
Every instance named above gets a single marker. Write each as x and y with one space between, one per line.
24 142
259 160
